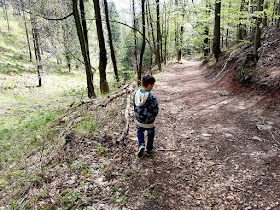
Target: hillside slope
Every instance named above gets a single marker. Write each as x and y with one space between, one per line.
237 65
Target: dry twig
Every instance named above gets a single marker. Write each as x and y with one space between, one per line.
168 149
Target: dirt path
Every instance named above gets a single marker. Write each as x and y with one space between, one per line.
227 147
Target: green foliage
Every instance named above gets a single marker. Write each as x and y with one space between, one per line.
88 125
148 194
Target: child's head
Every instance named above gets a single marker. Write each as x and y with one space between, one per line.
148 82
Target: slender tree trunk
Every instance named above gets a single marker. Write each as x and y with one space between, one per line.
253 28
278 11
166 21
84 25
152 27
27 37
217 30
135 37
65 43
241 33
181 43
91 93
177 47
265 19
227 37
35 34
104 88
206 47
257 42
159 41
6 13
113 56
143 43
152 49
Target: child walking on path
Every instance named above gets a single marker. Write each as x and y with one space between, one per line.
146 110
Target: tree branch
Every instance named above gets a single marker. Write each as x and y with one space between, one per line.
58 18
42 16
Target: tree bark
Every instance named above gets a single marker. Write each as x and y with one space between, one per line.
135 37
206 48
143 43
278 11
65 43
104 88
257 41
253 8
241 33
217 30
159 41
152 27
265 19
166 22
84 25
113 56
6 13
27 36
91 93
35 34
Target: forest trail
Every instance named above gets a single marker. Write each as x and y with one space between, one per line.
227 153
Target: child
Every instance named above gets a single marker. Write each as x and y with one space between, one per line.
146 110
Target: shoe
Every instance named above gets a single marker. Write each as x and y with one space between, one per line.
141 151
150 152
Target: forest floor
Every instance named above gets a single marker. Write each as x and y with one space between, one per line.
224 153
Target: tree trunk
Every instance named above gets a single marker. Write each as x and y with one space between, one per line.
181 43
152 48
80 33
177 47
278 12
227 37
65 43
27 36
253 28
84 25
265 19
217 30
35 34
152 27
113 56
6 13
257 41
159 41
135 37
166 33
206 48
241 33
104 88
143 43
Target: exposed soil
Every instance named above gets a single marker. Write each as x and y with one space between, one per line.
226 153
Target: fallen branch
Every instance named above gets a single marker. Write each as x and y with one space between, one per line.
168 149
111 98
126 116
273 137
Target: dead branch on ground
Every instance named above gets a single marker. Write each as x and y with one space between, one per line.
126 116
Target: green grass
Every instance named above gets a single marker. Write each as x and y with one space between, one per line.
27 110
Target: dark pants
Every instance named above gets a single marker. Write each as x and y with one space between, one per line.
141 140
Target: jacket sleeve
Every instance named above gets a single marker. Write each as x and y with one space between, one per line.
155 106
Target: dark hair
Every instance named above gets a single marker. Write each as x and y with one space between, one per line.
148 79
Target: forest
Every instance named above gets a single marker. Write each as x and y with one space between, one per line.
69 70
